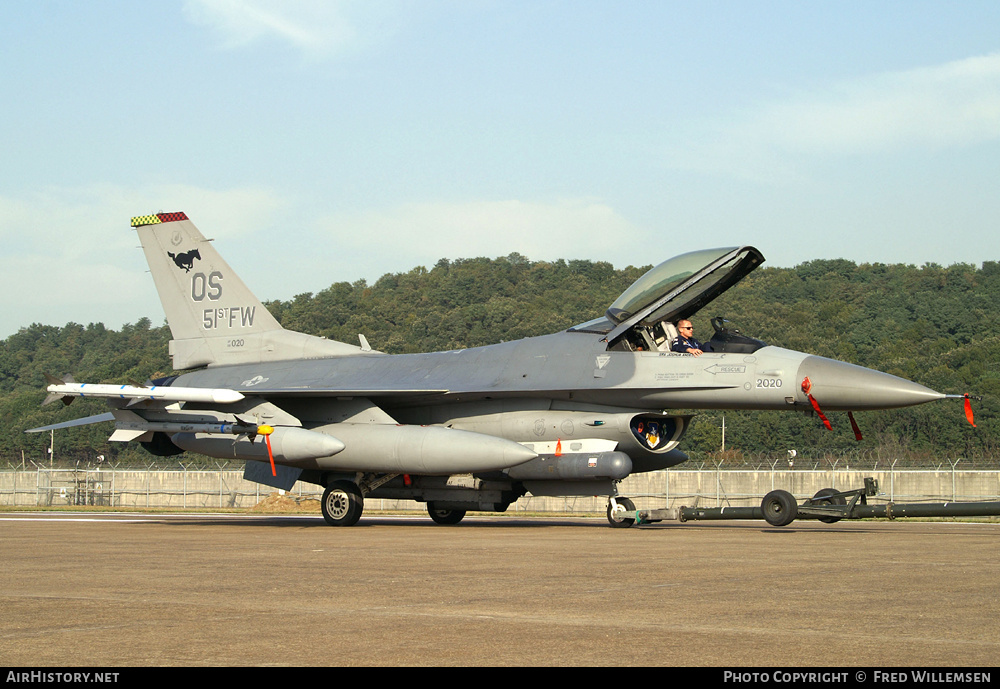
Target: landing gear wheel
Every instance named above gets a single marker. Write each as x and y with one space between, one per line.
824 497
443 516
779 508
617 518
342 504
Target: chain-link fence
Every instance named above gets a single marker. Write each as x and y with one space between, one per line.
814 459
224 487
181 488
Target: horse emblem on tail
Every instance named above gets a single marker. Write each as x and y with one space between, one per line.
185 260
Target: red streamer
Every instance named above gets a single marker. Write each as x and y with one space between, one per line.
806 387
854 425
968 410
270 455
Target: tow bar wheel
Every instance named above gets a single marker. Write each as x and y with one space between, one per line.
829 496
779 508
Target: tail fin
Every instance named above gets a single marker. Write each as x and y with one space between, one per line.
214 318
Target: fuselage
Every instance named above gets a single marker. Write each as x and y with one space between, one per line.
577 367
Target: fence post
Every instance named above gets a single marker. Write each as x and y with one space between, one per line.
718 484
892 480
954 489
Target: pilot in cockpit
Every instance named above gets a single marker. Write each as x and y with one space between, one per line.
685 342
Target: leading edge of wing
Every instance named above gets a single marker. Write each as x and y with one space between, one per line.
412 393
339 392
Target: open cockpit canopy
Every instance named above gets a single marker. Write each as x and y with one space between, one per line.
680 287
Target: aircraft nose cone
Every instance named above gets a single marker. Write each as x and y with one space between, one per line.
839 386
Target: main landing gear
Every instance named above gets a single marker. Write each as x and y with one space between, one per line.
444 516
342 503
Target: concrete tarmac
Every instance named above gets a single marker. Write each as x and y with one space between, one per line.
87 589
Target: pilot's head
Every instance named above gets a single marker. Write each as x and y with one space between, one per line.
685 328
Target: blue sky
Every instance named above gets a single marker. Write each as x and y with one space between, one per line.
320 142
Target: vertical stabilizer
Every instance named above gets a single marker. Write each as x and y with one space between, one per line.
214 318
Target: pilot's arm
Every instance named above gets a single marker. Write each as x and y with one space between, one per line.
684 346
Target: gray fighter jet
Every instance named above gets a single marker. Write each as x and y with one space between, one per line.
571 413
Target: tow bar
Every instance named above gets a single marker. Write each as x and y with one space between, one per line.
779 508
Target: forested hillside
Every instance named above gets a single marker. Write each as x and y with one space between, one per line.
934 325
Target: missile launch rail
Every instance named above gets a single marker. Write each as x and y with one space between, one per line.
779 508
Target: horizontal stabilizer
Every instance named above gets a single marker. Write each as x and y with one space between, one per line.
124 436
85 421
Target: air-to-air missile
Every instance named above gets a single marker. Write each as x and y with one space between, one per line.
69 390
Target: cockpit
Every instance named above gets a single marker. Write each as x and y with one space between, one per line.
643 318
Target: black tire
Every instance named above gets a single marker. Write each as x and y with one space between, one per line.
342 504
779 508
825 497
618 520
443 516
